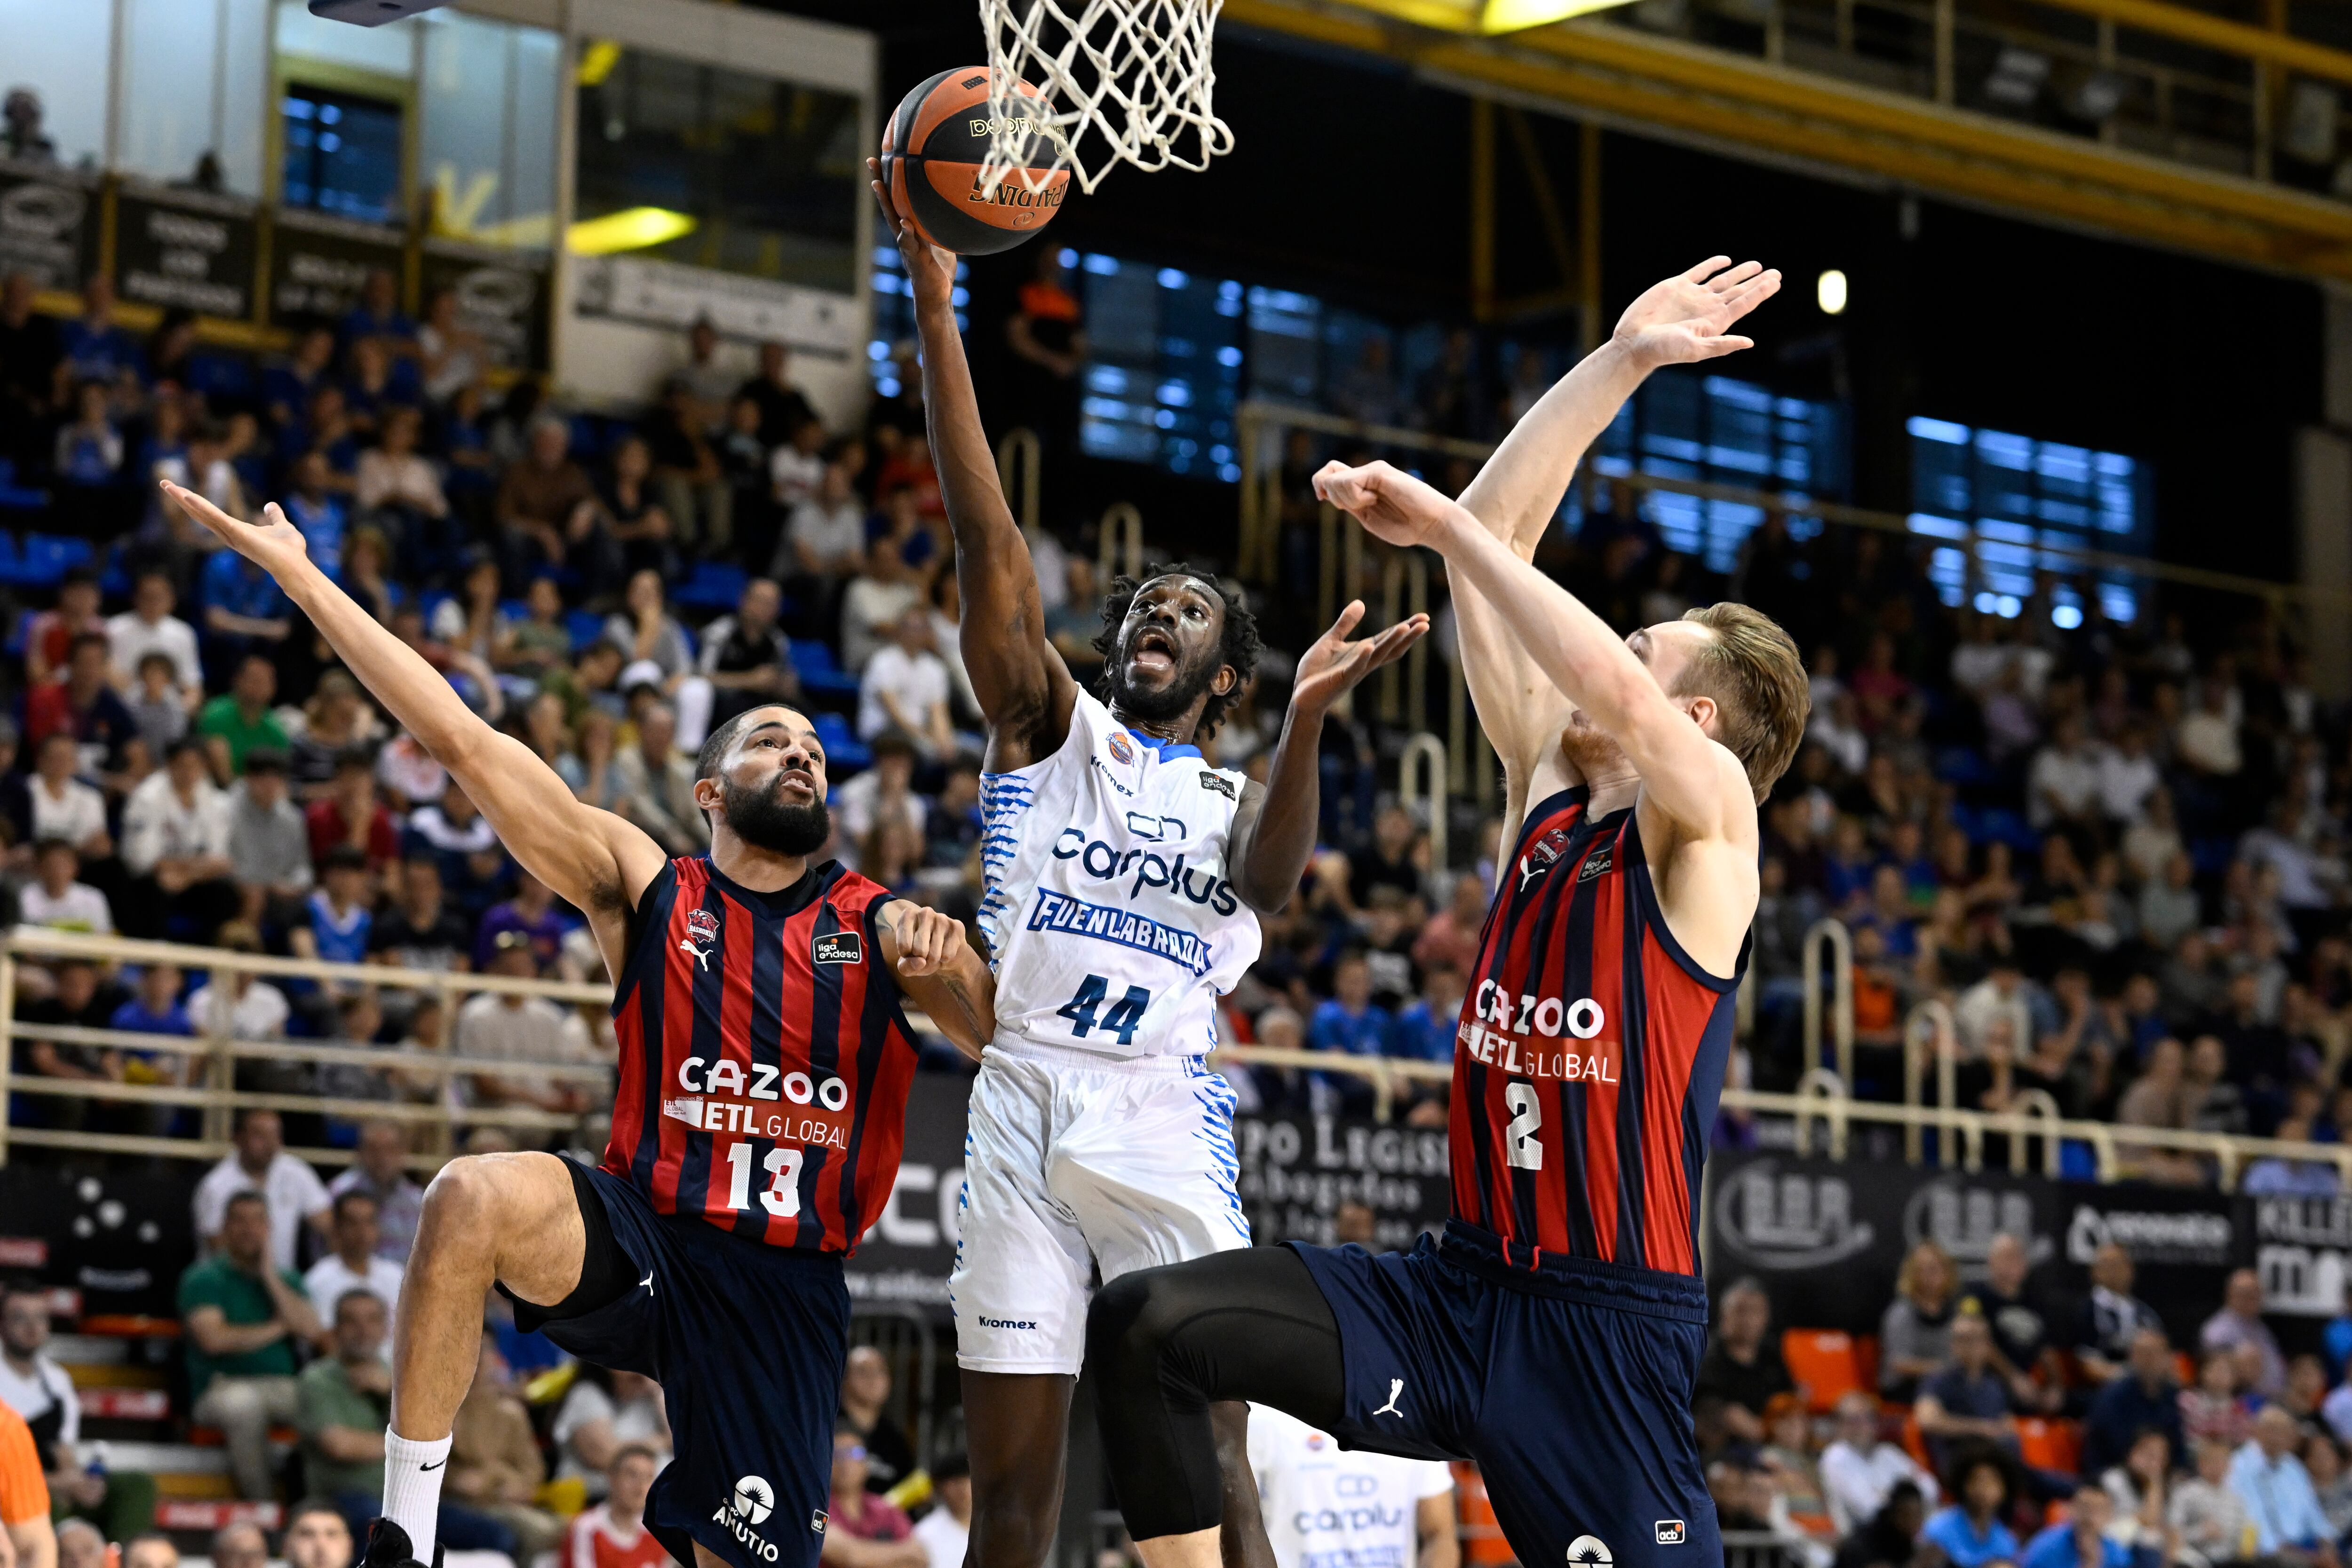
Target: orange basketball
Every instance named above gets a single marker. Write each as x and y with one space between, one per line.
932 152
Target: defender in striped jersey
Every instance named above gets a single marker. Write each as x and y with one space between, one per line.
1553 1333
765 1063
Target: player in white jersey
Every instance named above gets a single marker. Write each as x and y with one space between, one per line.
1328 1507
1125 875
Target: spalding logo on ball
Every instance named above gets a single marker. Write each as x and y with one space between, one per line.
933 150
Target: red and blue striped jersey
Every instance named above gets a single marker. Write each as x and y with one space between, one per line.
1590 1058
764 1057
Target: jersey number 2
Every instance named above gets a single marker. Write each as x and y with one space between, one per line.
1125 1014
1525 1149
782 1196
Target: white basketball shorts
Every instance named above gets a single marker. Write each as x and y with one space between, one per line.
1078 1166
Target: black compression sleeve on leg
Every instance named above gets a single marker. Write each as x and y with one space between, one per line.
1166 1343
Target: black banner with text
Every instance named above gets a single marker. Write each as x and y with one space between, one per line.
1826 1238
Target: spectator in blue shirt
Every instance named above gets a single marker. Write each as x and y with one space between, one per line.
96 349
2081 1541
1426 1031
2147 1396
1967 1400
1349 1022
311 508
2336 1339
286 388
338 915
1970 1531
245 611
2276 1490
154 1008
378 315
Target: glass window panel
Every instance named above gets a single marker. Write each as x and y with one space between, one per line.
60 52
487 130
770 170
341 153
192 85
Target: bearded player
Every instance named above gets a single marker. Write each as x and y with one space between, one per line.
1553 1335
1124 873
765 1063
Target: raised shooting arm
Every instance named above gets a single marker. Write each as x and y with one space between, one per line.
1025 691
591 858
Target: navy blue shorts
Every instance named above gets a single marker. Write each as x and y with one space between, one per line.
1570 1389
747 1341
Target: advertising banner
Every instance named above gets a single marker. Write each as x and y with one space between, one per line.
182 250
48 225
1826 1238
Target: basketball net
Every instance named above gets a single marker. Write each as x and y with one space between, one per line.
1135 71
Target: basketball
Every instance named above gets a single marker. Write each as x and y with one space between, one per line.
933 152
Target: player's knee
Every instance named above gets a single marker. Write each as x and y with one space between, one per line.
1130 1326
462 1205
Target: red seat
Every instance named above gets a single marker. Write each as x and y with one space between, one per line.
1829 1364
2051 1444
189 1514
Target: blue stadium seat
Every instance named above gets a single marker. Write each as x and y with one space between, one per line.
46 560
844 752
115 582
15 497
820 673
585 626
715 585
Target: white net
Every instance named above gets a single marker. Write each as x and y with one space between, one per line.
1120 81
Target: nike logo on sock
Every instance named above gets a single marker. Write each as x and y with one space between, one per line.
433 1466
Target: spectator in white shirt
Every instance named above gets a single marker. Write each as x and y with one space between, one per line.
354 1264
905 687
392 475
1860 1467
1839 732
259 1163
150 627
878 596
239 1004
796 468
2207 738
825 535
35 1387
946 1532
2129 775
2064 785
64 807
175 841
884 791
58 899
498 1026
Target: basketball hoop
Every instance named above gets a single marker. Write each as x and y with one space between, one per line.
1135 71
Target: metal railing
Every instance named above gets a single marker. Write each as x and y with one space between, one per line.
1933 1018
1426 797
1819 1101
207 1063
1832 934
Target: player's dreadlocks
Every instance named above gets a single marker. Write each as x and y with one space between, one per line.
1239 645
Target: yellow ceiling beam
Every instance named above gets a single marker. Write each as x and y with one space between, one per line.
1736 103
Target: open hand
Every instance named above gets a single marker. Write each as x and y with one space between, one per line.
929 268
1687 317
1334 666
273 544
1394 507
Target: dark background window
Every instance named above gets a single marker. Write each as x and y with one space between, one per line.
342 153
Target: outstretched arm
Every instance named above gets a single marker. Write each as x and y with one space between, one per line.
1698 784
1680 320
591 858
1025 691
936 967
1274 831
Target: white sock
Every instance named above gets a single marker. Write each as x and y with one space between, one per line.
412 1487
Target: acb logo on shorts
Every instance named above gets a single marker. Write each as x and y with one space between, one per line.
1672 1532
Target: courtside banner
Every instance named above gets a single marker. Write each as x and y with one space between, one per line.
1826 1238
1295 1172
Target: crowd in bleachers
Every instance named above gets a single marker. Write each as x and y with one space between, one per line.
285 1363
2001 1419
